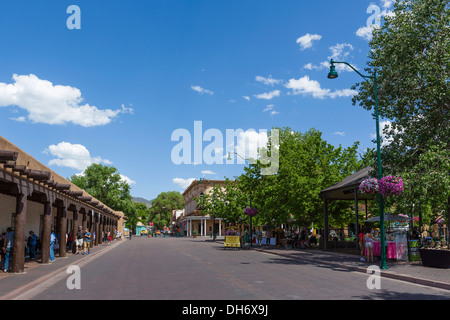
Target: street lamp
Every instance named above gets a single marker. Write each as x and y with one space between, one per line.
333 75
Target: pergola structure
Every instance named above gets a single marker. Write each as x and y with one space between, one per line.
347 189
32 191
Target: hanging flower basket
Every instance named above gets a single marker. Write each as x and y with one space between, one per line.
391 186
369 186
251 212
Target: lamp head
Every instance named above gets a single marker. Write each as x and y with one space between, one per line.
333 74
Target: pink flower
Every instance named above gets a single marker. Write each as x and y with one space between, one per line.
369 186
391 186
251 212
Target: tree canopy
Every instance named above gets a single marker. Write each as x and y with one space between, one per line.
105 184
307 165
411 54
162 207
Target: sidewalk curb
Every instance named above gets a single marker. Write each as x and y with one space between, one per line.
33 284
386 274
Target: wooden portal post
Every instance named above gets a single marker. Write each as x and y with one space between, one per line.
96 228
18 260
46 232
99 235
62 213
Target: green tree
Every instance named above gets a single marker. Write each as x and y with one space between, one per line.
224 201
411 54
105 184
307 165
162 207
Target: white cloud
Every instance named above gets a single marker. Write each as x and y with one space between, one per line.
366 32
305 86
75 156
248 143
53 104
306 41
339 133
19 119
127 180
385 126
268 95
246 98
208 172
269 107
387 3
202 90
268 81
375 19
339 52
183 183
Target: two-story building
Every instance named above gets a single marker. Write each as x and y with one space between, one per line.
193 218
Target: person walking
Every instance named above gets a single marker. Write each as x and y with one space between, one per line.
258 237
32 239
106 237
2 249
52 243
79 240
368 240
86 242
8 247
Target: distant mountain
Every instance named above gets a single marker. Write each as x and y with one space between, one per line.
148 203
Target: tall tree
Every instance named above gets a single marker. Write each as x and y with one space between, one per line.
307 164
162 207
105 184
411 54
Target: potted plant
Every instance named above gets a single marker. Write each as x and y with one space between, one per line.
391 186
195 233
369 186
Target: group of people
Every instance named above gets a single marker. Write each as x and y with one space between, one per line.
83 241
82 244
366 240
7 245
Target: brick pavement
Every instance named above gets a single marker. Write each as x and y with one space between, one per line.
13 284
413 272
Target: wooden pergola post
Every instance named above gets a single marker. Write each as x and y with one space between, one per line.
325 222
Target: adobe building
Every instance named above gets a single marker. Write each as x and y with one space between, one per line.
35 198
193 218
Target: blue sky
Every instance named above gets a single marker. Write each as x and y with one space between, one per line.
114 91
